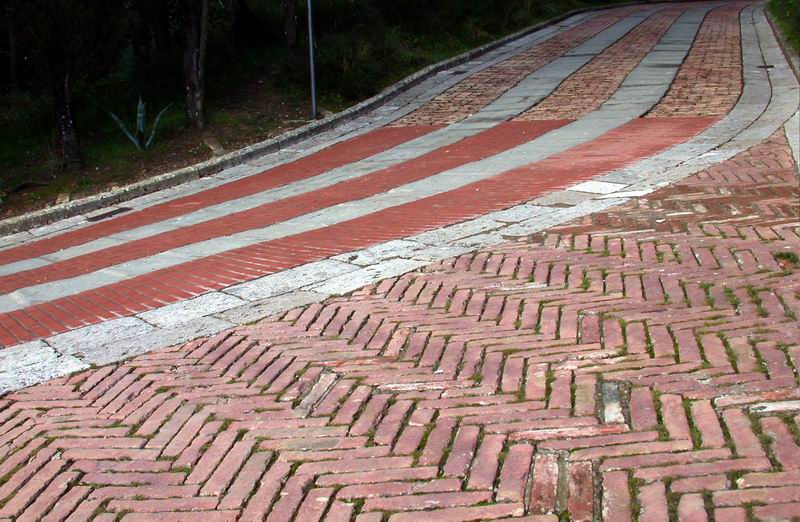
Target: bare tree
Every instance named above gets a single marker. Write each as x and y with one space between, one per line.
61 46
65 42
194 21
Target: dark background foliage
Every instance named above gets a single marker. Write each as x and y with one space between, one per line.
255 71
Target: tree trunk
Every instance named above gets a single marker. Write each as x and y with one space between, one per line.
67 131
290 22
194 59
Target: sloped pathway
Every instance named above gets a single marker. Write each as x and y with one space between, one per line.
544 333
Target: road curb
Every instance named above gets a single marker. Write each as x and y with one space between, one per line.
210 167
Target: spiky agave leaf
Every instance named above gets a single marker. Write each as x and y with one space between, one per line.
140 116
122 127
155 125
141 121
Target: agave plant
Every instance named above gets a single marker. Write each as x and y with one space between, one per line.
138 136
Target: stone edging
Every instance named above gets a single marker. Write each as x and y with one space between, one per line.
237 157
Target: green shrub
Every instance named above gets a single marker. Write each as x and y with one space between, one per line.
787 12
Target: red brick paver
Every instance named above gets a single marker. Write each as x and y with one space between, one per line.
710 80
587 89
478 90
638 363
328 158
641 138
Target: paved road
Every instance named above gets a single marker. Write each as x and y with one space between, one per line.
559 281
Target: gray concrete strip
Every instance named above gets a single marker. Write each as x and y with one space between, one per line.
614 113
518 99
32 363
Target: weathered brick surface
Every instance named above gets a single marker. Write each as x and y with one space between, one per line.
480 89
638 363
581 93
587 89
710 80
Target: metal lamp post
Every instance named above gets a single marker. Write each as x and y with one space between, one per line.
311 63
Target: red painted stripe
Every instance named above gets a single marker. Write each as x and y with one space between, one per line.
623 146
483 145
336 155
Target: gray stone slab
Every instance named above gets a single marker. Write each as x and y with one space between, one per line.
558 216
612 403
563 197
346 283
288 280
404 249
31 363
191 309
83 340
258 310
113 351
519 213
380 252
597 187
438 252
792 130
458 231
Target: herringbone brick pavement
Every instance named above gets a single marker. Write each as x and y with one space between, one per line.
638 364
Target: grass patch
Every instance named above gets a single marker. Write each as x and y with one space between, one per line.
787 258
787 14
